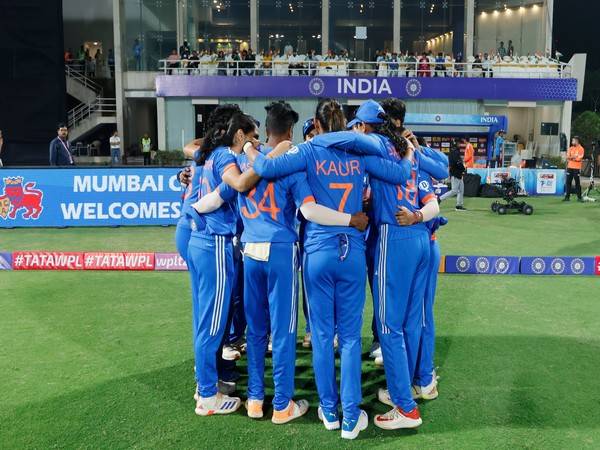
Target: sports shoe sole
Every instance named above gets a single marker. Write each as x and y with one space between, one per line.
212 412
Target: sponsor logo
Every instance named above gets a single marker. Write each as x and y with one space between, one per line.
414 88
17 197
293 150
463 264
48 261
597 265
424 185
316 86
375 86
119 261
169 262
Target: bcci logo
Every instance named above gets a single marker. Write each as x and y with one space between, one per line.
463 264
557 266
538 266
316 86
17 197
502 265
414 88
482 264
577 266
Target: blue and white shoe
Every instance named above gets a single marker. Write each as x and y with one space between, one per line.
351 428
330 420
217 404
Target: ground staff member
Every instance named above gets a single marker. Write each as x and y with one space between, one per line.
210 255
457 170
146 148
115 148
574 161
334 261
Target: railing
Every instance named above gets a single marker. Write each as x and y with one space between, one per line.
541 69
73 72
101 106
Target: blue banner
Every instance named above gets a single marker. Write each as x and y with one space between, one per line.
554 265
89 197
486 265
535 181
525 89
5 261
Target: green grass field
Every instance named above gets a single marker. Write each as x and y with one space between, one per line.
104 360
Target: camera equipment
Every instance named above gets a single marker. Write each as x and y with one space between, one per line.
510 191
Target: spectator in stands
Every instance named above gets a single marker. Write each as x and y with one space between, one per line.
424 69
469 158
68 56
137 54
172 61
486 66
267 63
234 64
99 64
147 148
440 65
476 66
511 49
115 148
90 64
459 65
1 146
81 56
184 50
295 64
221 64
574 161
411 65
498 147
60 148
502 50
312 62
394 65
194 61
457 170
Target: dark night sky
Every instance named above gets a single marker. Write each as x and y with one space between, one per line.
577 29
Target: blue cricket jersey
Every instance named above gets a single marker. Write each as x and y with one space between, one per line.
269 210
335 166
191 193
433 162
223 221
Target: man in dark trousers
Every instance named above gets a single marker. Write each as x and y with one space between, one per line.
457 170
60 148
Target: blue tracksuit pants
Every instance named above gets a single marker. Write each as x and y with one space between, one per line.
182 237
336 296
424 371
400 279
210 261
271 304
237 328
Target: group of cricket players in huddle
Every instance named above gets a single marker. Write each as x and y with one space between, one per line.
354 202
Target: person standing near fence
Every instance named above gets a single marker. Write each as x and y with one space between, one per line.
457 170
146 147
115 148
60 148
574 160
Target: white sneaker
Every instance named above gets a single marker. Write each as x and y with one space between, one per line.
429 392
375 350
254 408
330 420
230 353
351 428
217 404
383 395
379 361
294 410
396 418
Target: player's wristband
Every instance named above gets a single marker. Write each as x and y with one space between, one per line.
247 145
418 215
